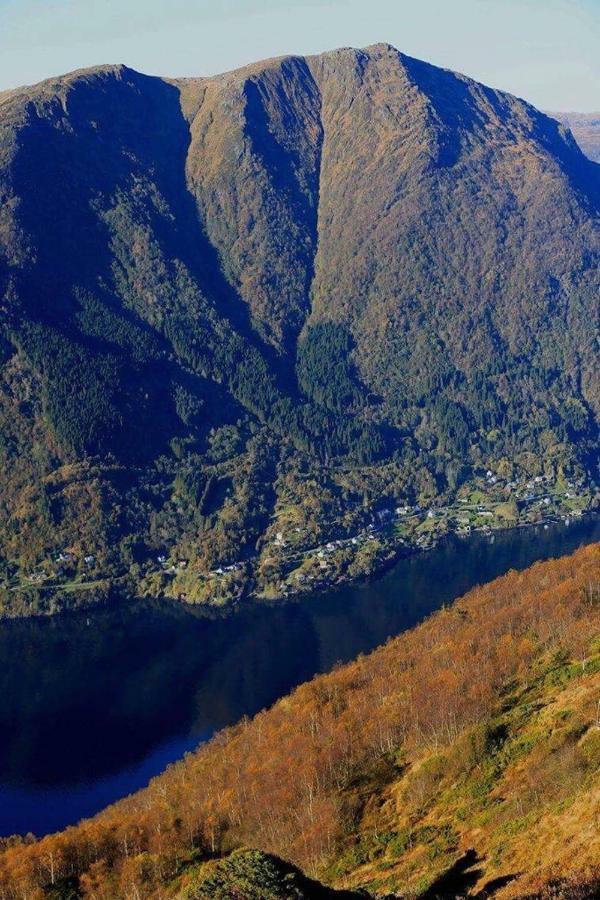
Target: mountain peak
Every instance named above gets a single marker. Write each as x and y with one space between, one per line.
380 47
354 257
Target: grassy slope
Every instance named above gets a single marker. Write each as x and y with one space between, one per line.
510 804
252 875
460 755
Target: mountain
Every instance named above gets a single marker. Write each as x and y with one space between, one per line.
585 128
460 759
250 311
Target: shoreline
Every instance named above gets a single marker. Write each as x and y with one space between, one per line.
397 554
392 550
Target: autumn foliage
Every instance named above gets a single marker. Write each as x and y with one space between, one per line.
281 781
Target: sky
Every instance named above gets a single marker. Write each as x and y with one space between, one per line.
547 51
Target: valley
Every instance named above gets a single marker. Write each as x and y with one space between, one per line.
586 129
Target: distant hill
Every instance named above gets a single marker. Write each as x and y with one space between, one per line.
460 759
586 131
270 301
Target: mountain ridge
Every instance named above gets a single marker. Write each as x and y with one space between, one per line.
352 265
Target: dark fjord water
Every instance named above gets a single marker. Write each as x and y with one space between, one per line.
93 705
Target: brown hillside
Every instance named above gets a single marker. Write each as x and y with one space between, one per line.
464 753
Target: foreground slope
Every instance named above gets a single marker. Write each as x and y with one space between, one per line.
462 757
272 301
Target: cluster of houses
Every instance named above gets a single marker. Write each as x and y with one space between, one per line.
171 568
527 493
533 495
66 558
223 570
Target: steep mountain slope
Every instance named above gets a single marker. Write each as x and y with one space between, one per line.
460 759
586 130
212 287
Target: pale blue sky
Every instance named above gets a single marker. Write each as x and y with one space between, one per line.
547 51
